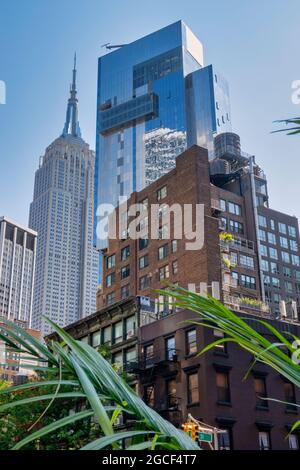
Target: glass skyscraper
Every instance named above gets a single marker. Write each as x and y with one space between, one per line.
155 99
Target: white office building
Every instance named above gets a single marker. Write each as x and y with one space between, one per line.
17 264
62 212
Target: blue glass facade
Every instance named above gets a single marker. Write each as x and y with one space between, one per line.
147 113
207 106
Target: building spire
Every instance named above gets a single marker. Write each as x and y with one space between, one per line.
72 124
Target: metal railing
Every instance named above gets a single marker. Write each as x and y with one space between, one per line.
236 304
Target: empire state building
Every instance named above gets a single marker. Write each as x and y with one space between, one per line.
62 212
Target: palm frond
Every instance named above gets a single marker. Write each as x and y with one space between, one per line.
88 378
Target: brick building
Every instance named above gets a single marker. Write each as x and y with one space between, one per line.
161 358
147 335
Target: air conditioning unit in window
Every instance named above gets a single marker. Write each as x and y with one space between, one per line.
130 333
294 310
282 309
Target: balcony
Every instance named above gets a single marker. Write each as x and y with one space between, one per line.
239 244
239 304
229 283
162 359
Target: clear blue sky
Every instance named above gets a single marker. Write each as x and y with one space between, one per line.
254 43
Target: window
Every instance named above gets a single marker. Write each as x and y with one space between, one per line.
148 354
277 298
223 205
287 272
288 287
282 228
295 260
110 279
247 261
164 272
193 388
170 348
272 224
125 272
248 281
144 282
174 246
261 392
171 393
144 262
236 227
130 326
233 258
292 231
285 257
290 396
130 355
106 335
111 261
297 275
110 298
222 346
96 339
284 242
117 359
223 223
276 282
293 442
163 211
274 268
143 225
262 221
175 267
149 396
163 232
267 280
223 390
271 238
191 342
265 265
264 440
125 253
118 332
263 250
163 251
225 440
143 243
262 235
273 253
125 291
162 193
293 245
145 203
234 208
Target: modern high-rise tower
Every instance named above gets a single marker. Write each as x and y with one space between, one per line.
62 212
155 99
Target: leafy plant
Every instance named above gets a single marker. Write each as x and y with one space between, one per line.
226 237
226 262
282 354
251 302
97 392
